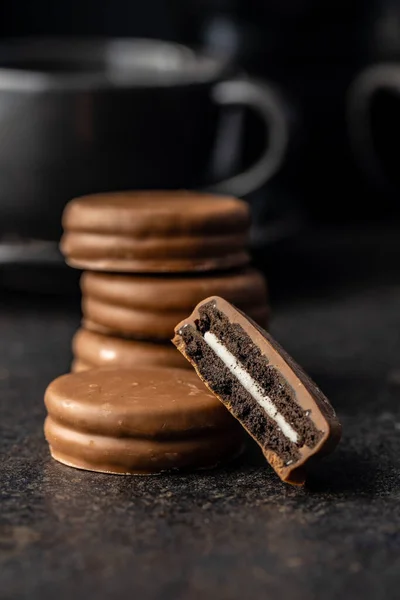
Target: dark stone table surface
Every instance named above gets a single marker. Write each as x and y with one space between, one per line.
233 533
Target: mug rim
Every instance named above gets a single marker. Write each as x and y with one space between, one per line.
195 67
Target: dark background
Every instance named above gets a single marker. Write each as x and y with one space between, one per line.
312 49
238 532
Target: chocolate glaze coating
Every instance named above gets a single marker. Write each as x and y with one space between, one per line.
137 421
155 231
93 349
144 307
326 429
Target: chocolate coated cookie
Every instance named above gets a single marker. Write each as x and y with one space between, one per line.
144 307
261 385
137 421
92 349
155 231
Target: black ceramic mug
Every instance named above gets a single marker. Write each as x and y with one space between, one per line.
82 116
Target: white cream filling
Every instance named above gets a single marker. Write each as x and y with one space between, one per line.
250 385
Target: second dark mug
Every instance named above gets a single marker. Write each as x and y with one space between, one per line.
82 116
374 123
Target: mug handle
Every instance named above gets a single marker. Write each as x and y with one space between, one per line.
360 95
266 102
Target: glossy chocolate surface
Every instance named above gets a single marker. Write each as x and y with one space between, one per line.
137 421
157 231
312 403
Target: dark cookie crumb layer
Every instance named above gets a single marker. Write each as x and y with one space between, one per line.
240 403
239 343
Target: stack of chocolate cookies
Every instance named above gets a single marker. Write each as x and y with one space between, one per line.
149 259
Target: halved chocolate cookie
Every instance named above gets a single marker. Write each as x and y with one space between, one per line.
272 397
